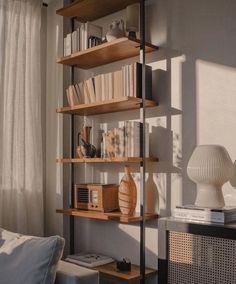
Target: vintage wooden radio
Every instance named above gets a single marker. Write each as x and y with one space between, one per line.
97 197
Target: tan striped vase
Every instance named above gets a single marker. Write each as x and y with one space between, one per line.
127 193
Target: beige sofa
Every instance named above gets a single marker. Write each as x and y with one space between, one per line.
68 273
33 260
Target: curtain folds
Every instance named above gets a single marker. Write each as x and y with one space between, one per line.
21 162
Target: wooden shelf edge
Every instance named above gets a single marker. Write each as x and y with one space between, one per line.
104 45
113 216
87 10
108 106
104 160
134 275
128 47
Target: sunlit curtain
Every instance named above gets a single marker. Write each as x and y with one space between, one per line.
21 173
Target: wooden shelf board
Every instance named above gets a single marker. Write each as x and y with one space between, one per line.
105 53
114 105
104 160
89 10
113 216
133 275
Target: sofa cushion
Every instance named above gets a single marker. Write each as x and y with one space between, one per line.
27 259
69 273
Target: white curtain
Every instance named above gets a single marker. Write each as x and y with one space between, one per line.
21 162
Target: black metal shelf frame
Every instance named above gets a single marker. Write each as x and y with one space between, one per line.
142 149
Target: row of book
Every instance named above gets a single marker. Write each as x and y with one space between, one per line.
85 36
191 212
103 87
124 141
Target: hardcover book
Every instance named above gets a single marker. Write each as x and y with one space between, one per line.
89 259
223 215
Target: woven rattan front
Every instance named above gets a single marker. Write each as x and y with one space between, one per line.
195 259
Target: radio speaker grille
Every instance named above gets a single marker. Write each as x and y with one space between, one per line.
83 195
195 259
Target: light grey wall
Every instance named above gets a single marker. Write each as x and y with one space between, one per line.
194 81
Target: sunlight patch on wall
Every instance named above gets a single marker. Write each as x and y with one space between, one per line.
216 111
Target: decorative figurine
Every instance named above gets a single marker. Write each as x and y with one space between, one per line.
116 30
85 148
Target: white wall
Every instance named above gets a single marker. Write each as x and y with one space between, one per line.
195 85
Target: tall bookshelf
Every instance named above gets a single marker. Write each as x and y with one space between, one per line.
122 48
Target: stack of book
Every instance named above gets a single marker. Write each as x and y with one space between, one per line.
89 259
124 141
85 36
191 212
110 86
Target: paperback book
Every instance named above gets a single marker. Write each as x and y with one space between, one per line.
124 141
223 215
87 35
113 85
89 259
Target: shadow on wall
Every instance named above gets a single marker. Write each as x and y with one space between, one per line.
117 247
199 30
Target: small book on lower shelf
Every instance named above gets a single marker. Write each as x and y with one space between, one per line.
89 259
222 215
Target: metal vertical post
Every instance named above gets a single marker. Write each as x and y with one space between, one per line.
143 146
72 146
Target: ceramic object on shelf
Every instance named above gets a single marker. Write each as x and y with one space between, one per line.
210 166
116 30
85 148
127 193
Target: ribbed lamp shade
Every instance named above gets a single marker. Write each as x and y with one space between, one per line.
210 166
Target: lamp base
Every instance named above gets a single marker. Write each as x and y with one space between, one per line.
209 196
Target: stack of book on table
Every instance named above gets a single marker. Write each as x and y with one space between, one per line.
223 215
124 141
110 86
89 259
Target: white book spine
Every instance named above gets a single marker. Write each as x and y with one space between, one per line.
82 27
110 86
199 215
120 142
103 97
126 137
123 82
135 139
131 80
74 41
78 39
65 39
127 81
147 142
68 44
86 26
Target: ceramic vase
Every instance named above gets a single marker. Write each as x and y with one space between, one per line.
127 193
116 30
210 167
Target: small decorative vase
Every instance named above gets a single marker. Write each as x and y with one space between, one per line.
127 193
210 167
116 30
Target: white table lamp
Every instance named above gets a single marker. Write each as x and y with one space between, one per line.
210 166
